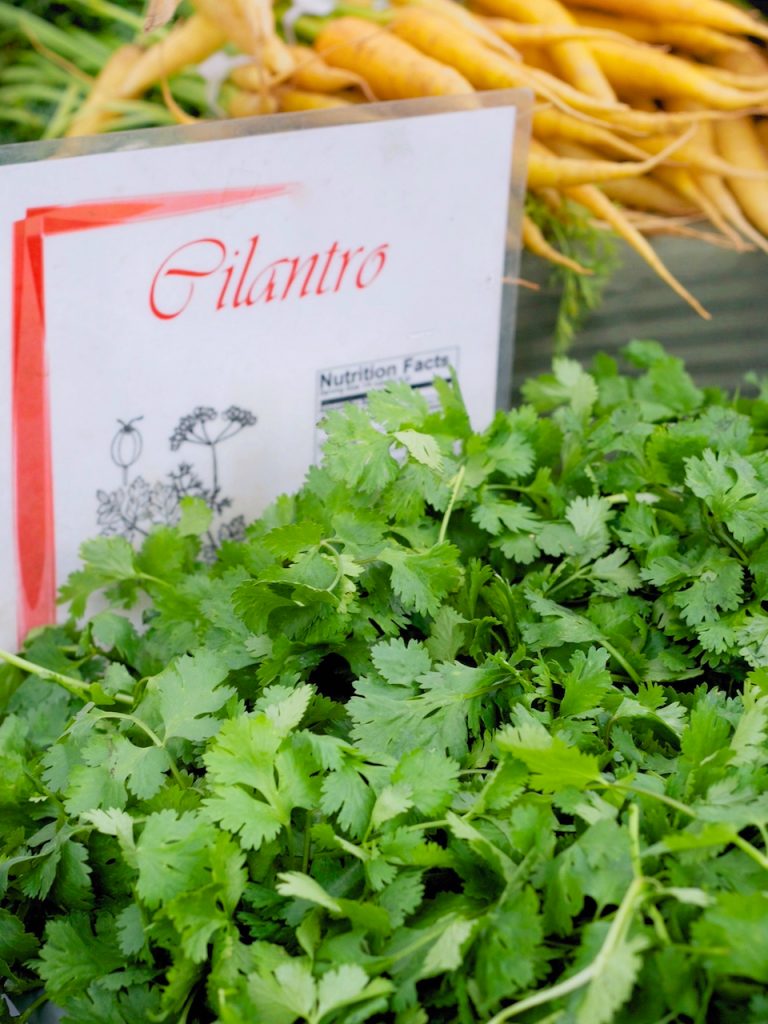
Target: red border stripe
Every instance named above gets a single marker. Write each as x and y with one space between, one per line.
32 460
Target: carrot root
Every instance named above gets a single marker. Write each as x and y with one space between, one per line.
535 242
602 207
94 115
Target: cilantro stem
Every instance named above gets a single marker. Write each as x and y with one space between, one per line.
659 925
40 1001
614 938
661 797
621 660
743 844
120 716
746 847
724 536
339 565
425 939
458 481
423 825
634 840
580 574
153 579
307 850
74 686
137 722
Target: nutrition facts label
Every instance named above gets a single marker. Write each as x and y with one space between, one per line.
341 384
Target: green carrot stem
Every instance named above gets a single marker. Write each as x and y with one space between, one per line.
77 46
309 26
21 117
113 12
382 17
34 69
31 93
69 102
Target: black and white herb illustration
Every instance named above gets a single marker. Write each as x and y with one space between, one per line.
127 445
203 427
132 509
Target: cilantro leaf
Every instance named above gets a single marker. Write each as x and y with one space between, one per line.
73 956
471 725
172 856
734 488
422 579
357 453
188 693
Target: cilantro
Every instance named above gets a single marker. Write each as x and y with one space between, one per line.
472 728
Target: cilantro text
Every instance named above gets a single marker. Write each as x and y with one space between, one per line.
205 272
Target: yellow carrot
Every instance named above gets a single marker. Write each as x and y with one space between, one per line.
309 72
565 97
696 155
738 79
525 34
246 30
575 62
679 179
648 71
654 122
698 40
720 196
717 14
535 242
553 124
241 103
95 114
601 206
249 24
258 18
761 127
290 100
751 61
546 169
538 57
687 185
446 42
312 74
277 57
738 141
467 20
188 42
649 224
392 68
250 77
649 195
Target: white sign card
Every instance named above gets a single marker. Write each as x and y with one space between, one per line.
181 307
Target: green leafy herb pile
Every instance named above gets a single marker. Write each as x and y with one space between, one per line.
471 729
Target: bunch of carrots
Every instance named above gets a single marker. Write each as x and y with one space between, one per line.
648 113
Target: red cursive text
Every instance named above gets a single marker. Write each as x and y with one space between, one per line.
204 270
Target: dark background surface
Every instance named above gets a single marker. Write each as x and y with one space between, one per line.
636 304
